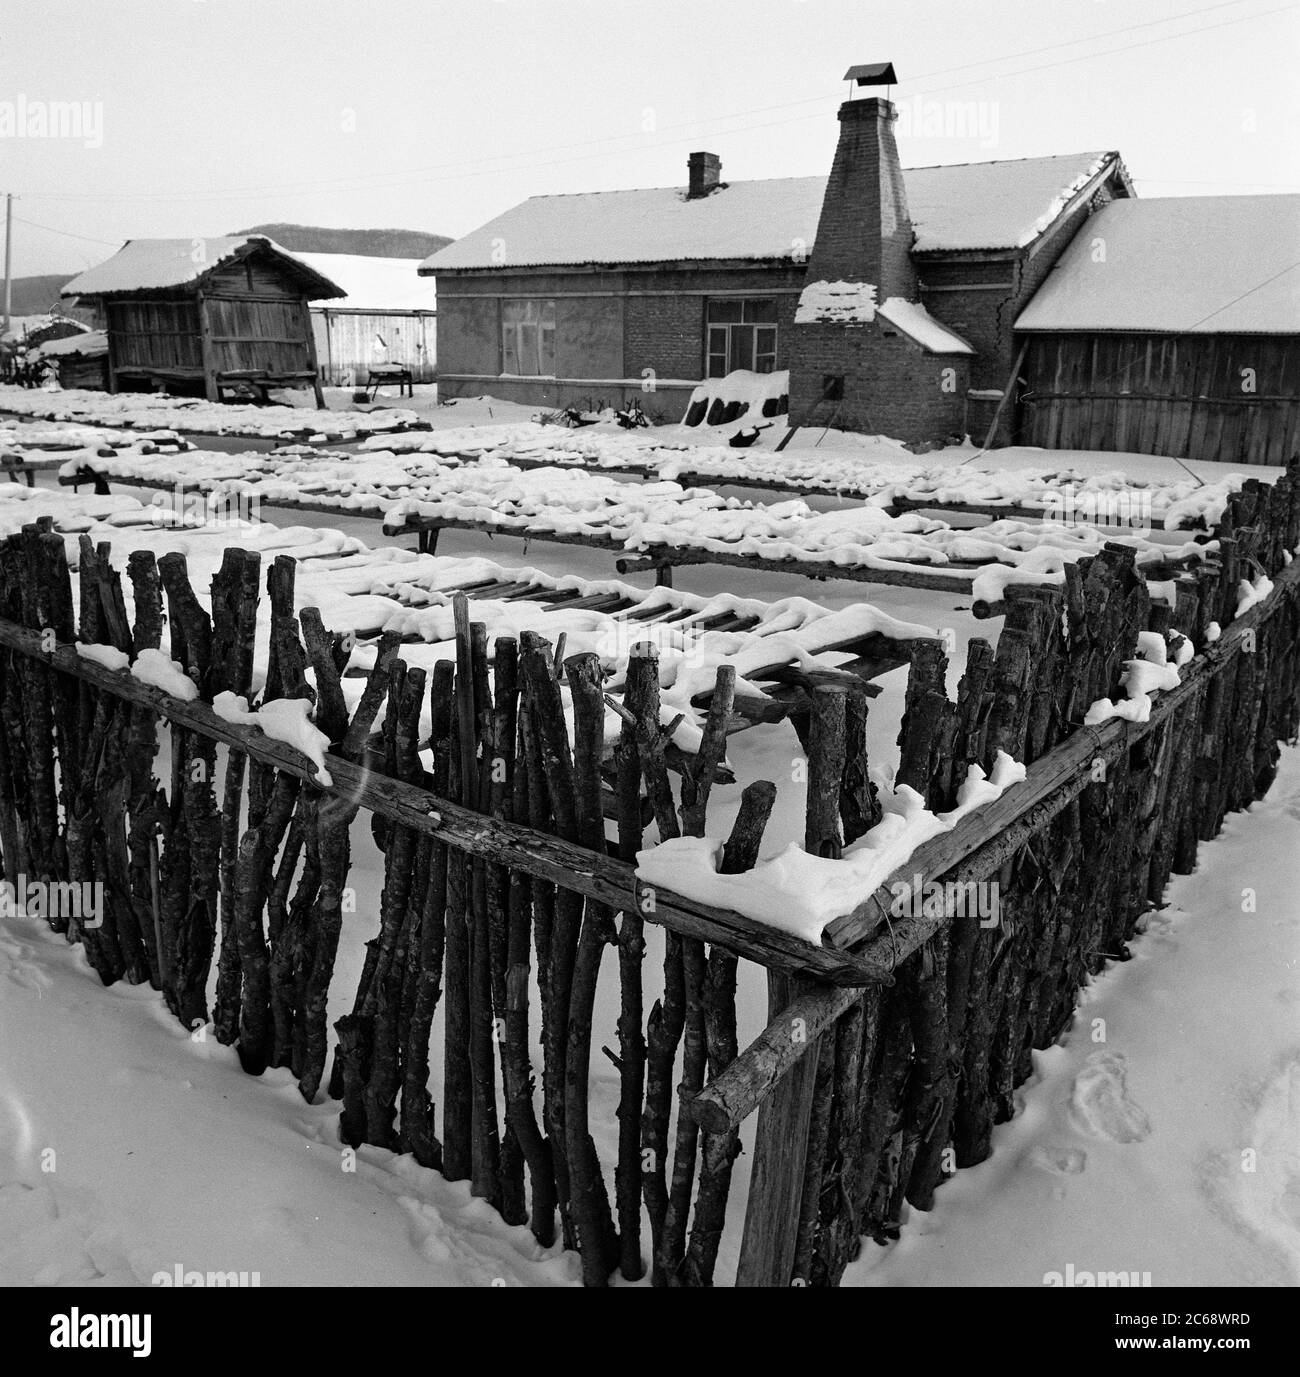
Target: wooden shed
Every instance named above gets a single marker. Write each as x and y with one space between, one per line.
80 360
388 317
1170 326
207 316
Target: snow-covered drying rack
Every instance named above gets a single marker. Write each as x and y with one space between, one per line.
660 525
144 411
26 450
884 472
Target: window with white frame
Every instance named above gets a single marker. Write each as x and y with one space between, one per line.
740 333
528 337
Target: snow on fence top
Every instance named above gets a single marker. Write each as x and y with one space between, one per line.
1179 265
993 205
145 411
159 264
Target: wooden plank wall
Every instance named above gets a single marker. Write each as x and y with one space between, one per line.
273 335
349 344
153 333
1229 398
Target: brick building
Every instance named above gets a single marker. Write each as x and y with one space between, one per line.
596 298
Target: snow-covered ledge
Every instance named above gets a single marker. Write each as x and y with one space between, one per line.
802 894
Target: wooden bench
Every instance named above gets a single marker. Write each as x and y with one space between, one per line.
384 375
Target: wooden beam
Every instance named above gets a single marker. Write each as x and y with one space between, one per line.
210 388
1006 394
305 314
767 1246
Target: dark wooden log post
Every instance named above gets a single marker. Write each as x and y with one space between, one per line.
781 1142
721 1149
416 1131
641 700
235 591
594 1224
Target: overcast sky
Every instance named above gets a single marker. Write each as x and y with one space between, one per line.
205 116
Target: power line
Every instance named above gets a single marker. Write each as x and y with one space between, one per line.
67 234
1250 291
1128 48
1185 181
377 181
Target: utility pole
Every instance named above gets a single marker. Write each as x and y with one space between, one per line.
9 243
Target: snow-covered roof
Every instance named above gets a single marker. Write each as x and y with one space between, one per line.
22 326
89 343
375 284
1186 264
994 205
919 325
160 264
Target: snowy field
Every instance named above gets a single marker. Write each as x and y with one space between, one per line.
1127 1153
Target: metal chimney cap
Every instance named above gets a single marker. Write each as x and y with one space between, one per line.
872 74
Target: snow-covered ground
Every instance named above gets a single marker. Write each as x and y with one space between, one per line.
1173 1147
1163 1136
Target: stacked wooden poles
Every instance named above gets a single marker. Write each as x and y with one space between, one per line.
236 589
515 895
31 734
416 1131
273 797
372 1038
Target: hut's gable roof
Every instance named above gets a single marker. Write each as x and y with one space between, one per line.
954 209
153 265
377 285
1178 265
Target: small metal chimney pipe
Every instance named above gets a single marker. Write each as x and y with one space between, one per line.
705 171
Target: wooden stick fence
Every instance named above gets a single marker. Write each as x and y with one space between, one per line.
869 1098
891 1050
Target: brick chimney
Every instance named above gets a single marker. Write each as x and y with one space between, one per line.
865 233
705 173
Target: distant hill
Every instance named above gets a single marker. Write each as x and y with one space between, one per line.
34 295
374 243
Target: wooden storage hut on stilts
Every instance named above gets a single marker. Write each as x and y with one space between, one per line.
207 316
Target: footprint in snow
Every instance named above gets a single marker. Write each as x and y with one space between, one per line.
1059 1161
16 960
1100 1103
1268 1194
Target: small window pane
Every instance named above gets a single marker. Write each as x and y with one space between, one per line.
528 337
742 349
721 309
765 349
763 310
